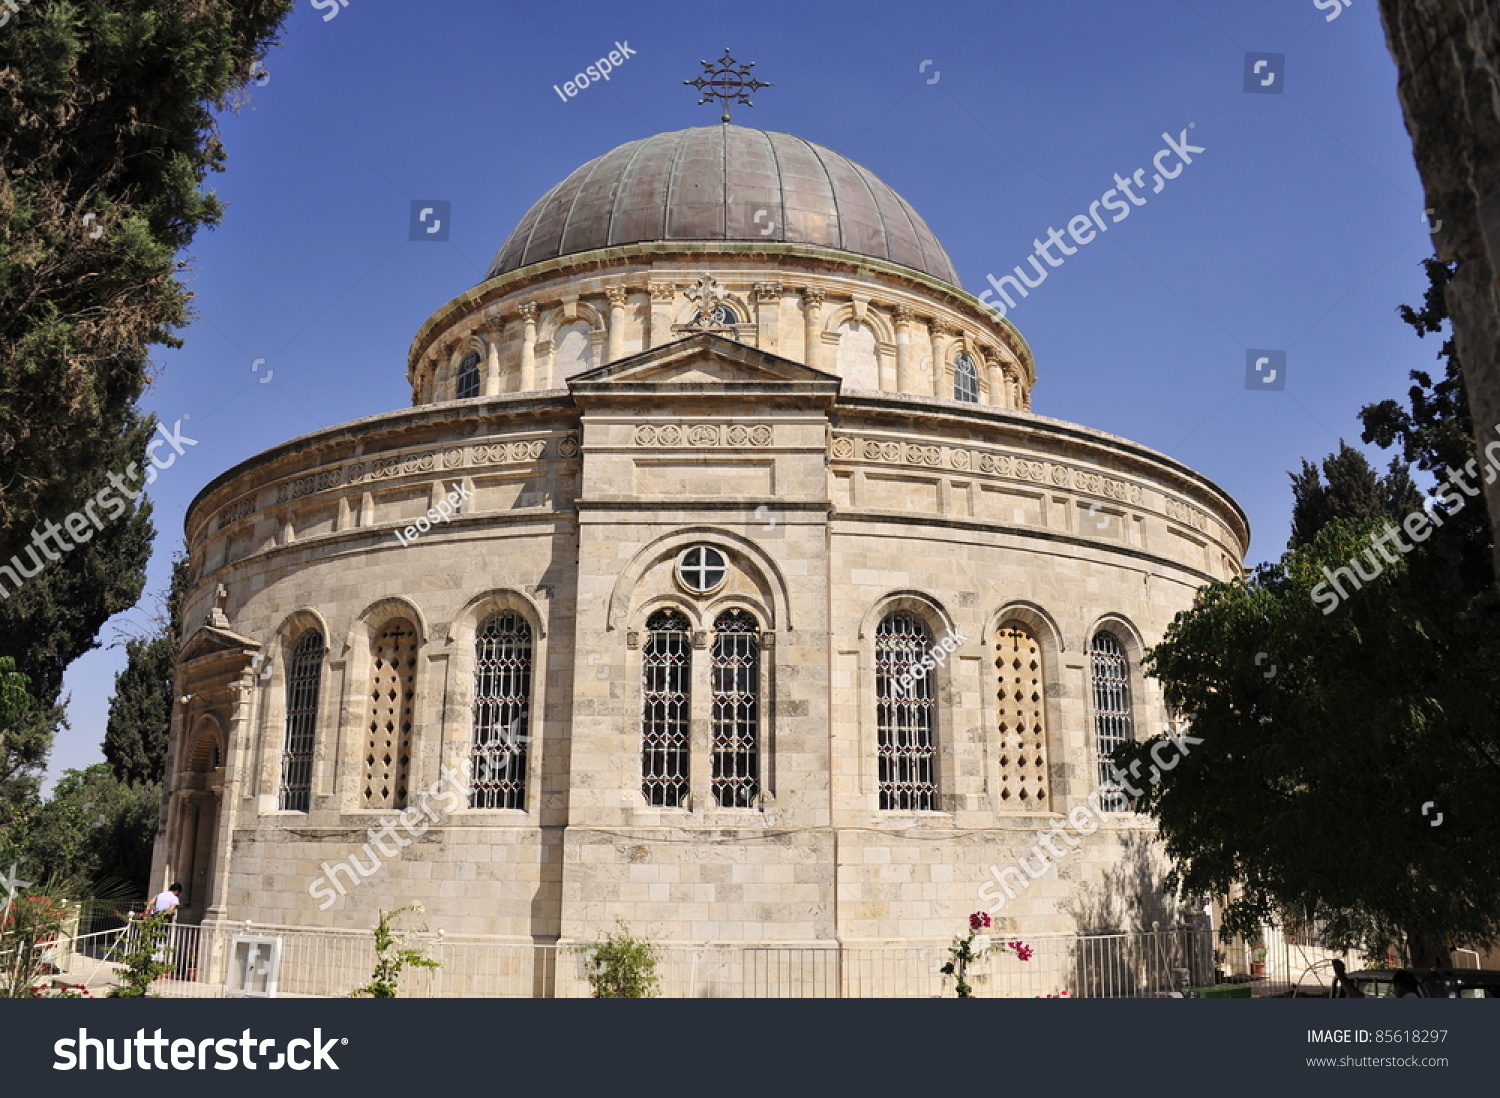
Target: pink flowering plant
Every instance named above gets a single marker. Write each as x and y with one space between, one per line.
964 954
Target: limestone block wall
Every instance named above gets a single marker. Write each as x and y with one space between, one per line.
830 510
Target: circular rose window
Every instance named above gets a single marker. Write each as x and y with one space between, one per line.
702 570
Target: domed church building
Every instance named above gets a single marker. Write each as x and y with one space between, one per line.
720 579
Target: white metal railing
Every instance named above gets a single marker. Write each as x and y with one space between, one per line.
329 963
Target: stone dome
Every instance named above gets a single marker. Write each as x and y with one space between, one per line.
724 183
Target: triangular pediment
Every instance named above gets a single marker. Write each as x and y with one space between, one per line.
703 360
214 641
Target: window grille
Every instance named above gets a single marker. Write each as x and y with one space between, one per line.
1112 718
303 674
666 672
1022 718
736 710
502 713
468 377
965 380
905 714
392 688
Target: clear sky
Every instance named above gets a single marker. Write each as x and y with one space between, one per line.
1298 229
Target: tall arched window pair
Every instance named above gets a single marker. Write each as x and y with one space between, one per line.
906 714
666 710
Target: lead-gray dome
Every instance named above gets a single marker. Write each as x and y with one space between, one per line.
724 183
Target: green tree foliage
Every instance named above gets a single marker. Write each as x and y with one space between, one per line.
1326 735
144 956
51 620
96 830
140 713
1352 490
106 109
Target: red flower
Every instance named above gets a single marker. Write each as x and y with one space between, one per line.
979 921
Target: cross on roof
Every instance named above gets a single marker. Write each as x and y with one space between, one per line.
728 81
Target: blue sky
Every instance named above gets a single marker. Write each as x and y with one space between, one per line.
1298 229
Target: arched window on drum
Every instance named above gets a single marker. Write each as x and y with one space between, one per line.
965 380
467 383
1114 722
304 675
906 714
736 710
502 712
666 701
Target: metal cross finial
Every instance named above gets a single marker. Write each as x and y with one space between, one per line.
726 80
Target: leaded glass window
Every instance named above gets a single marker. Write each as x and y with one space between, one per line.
1022 717
965 380
666 673
468 377
304 673
502 713
736 710
393 676
905 714
1113 724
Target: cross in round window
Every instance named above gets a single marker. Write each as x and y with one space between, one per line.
724 315
702 569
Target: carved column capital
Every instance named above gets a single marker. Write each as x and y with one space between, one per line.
766 292
814 295
905 314
528 311
662 291
616 295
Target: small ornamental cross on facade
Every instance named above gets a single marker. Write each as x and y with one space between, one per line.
711 314
728 81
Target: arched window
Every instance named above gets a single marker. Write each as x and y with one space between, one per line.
965 380
502 713
905 713
666 672
736 710
468 377
304 672
1112 715
393 673
1022 718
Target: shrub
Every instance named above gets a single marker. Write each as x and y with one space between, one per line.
620 966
